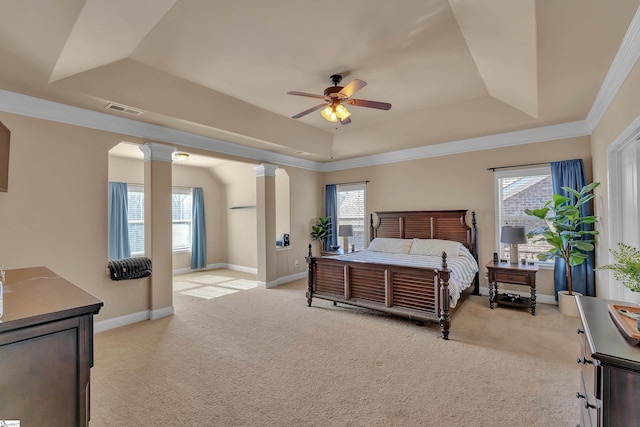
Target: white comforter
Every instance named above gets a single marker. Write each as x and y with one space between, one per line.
463 268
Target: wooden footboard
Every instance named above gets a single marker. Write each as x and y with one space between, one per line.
416 293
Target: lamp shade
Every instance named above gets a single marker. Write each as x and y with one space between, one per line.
513 235
345 230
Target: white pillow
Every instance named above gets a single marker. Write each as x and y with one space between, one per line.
435 247
390 245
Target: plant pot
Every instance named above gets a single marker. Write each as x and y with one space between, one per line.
567 303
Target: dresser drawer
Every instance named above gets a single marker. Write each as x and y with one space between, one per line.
588 415
508 277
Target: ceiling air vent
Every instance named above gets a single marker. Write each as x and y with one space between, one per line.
123 109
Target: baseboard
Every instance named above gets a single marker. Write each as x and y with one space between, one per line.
116 322
160 313
241 268
282 280
540 298
128 319
234 267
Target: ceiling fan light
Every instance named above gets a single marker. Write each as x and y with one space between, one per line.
329 114
342 112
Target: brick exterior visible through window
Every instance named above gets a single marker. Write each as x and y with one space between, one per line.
351 201
520 192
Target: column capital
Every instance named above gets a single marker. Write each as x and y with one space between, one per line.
265 169
154 151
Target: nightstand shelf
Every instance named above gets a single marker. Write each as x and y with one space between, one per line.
513 300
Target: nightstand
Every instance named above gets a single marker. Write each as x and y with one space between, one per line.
512 274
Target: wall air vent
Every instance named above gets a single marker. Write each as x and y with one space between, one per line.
123 109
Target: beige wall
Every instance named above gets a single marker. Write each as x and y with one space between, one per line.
306 203
459 181
55 213
622 111
241 242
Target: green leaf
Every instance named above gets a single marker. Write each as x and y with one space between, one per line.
572 191
538 213
577 258
585 199
559 200
589 187
583 246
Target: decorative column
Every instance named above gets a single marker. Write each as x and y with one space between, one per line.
158 227
266 217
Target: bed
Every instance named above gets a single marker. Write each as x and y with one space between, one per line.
405 270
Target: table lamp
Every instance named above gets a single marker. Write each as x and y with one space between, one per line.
513 235
345 231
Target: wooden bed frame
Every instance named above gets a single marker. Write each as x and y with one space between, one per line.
421 294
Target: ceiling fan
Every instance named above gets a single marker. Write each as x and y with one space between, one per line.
333 109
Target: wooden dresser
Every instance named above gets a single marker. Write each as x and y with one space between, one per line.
609 389
46 349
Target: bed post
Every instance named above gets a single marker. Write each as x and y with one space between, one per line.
474 251
311 265
445 315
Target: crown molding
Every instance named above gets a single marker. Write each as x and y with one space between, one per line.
528 136
30 106
621 66
25 105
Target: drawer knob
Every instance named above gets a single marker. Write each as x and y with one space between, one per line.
580 396
589 405
583 360
579 331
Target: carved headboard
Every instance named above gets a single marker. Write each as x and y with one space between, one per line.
446 225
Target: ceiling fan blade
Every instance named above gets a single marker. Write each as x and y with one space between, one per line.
345 121
310 95
310 110
369 104
352 88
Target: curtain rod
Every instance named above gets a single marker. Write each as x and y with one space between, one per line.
349 183
142 185
518 166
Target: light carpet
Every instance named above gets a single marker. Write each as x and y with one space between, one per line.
261 357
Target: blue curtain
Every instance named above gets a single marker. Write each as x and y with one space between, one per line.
570 173
331 210
118 221
198 232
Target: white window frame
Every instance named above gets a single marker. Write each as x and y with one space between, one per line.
189 191
497 176
354 187
137 188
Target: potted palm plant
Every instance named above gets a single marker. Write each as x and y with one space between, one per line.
564 231
321 229
626 269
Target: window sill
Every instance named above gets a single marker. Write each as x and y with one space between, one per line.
182 251
546 266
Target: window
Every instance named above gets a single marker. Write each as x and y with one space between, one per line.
135 214
181 204
517 190
351 211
